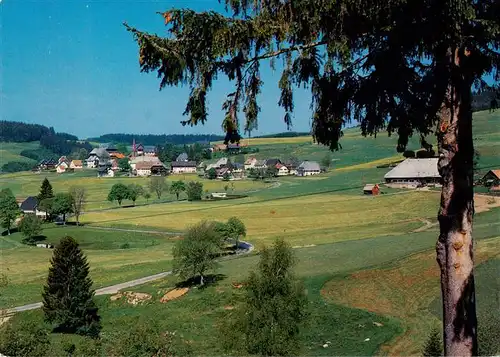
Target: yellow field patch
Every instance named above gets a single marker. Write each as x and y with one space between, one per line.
272 141
371 164
313 219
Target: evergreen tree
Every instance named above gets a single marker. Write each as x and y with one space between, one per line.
68 296
433 346
9 209
274 307
407 67
45 191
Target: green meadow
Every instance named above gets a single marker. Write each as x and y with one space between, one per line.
368 263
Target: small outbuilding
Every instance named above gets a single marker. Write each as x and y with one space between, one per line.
371 189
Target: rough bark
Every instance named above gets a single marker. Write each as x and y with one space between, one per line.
455 244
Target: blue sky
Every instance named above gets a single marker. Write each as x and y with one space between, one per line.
72 65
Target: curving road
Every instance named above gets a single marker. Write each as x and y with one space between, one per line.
113 289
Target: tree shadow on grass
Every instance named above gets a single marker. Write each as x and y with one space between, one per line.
208 280
12 231
34 240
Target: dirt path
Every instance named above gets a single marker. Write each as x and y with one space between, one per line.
113 289
133 230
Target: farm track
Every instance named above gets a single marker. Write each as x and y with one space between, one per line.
113 289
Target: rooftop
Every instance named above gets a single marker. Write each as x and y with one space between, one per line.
415 168
183 163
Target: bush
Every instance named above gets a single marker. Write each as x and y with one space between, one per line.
30 227
194 190
274 308
146 340
24 338
16 166
125 246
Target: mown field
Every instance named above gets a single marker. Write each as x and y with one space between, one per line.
389 280
11 152
362 259
28 184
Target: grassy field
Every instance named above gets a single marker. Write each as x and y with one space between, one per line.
11 152
110 259
28 184
328 217
363 259
327 270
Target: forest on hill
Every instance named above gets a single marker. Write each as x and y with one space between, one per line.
157 139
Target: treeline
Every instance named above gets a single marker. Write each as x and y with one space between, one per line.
152 139
61 145
17 132
287 134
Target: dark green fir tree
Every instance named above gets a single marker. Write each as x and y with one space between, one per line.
45 191
433 346
68 296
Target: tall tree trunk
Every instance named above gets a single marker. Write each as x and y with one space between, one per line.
455 244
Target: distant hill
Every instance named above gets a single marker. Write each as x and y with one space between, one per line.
152 139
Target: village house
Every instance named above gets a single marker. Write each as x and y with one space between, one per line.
492 178
237 170
47 164
412 173
224 171
150 159
260 164
308 168
145 150
63 159
222 162
371 189
250 162
219 147
292 166
76 164
62 167
97 157
143 168
30 206
186 167
272 162
282 170
159 170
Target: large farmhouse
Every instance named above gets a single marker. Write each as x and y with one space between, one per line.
308 168
414 173
178 167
